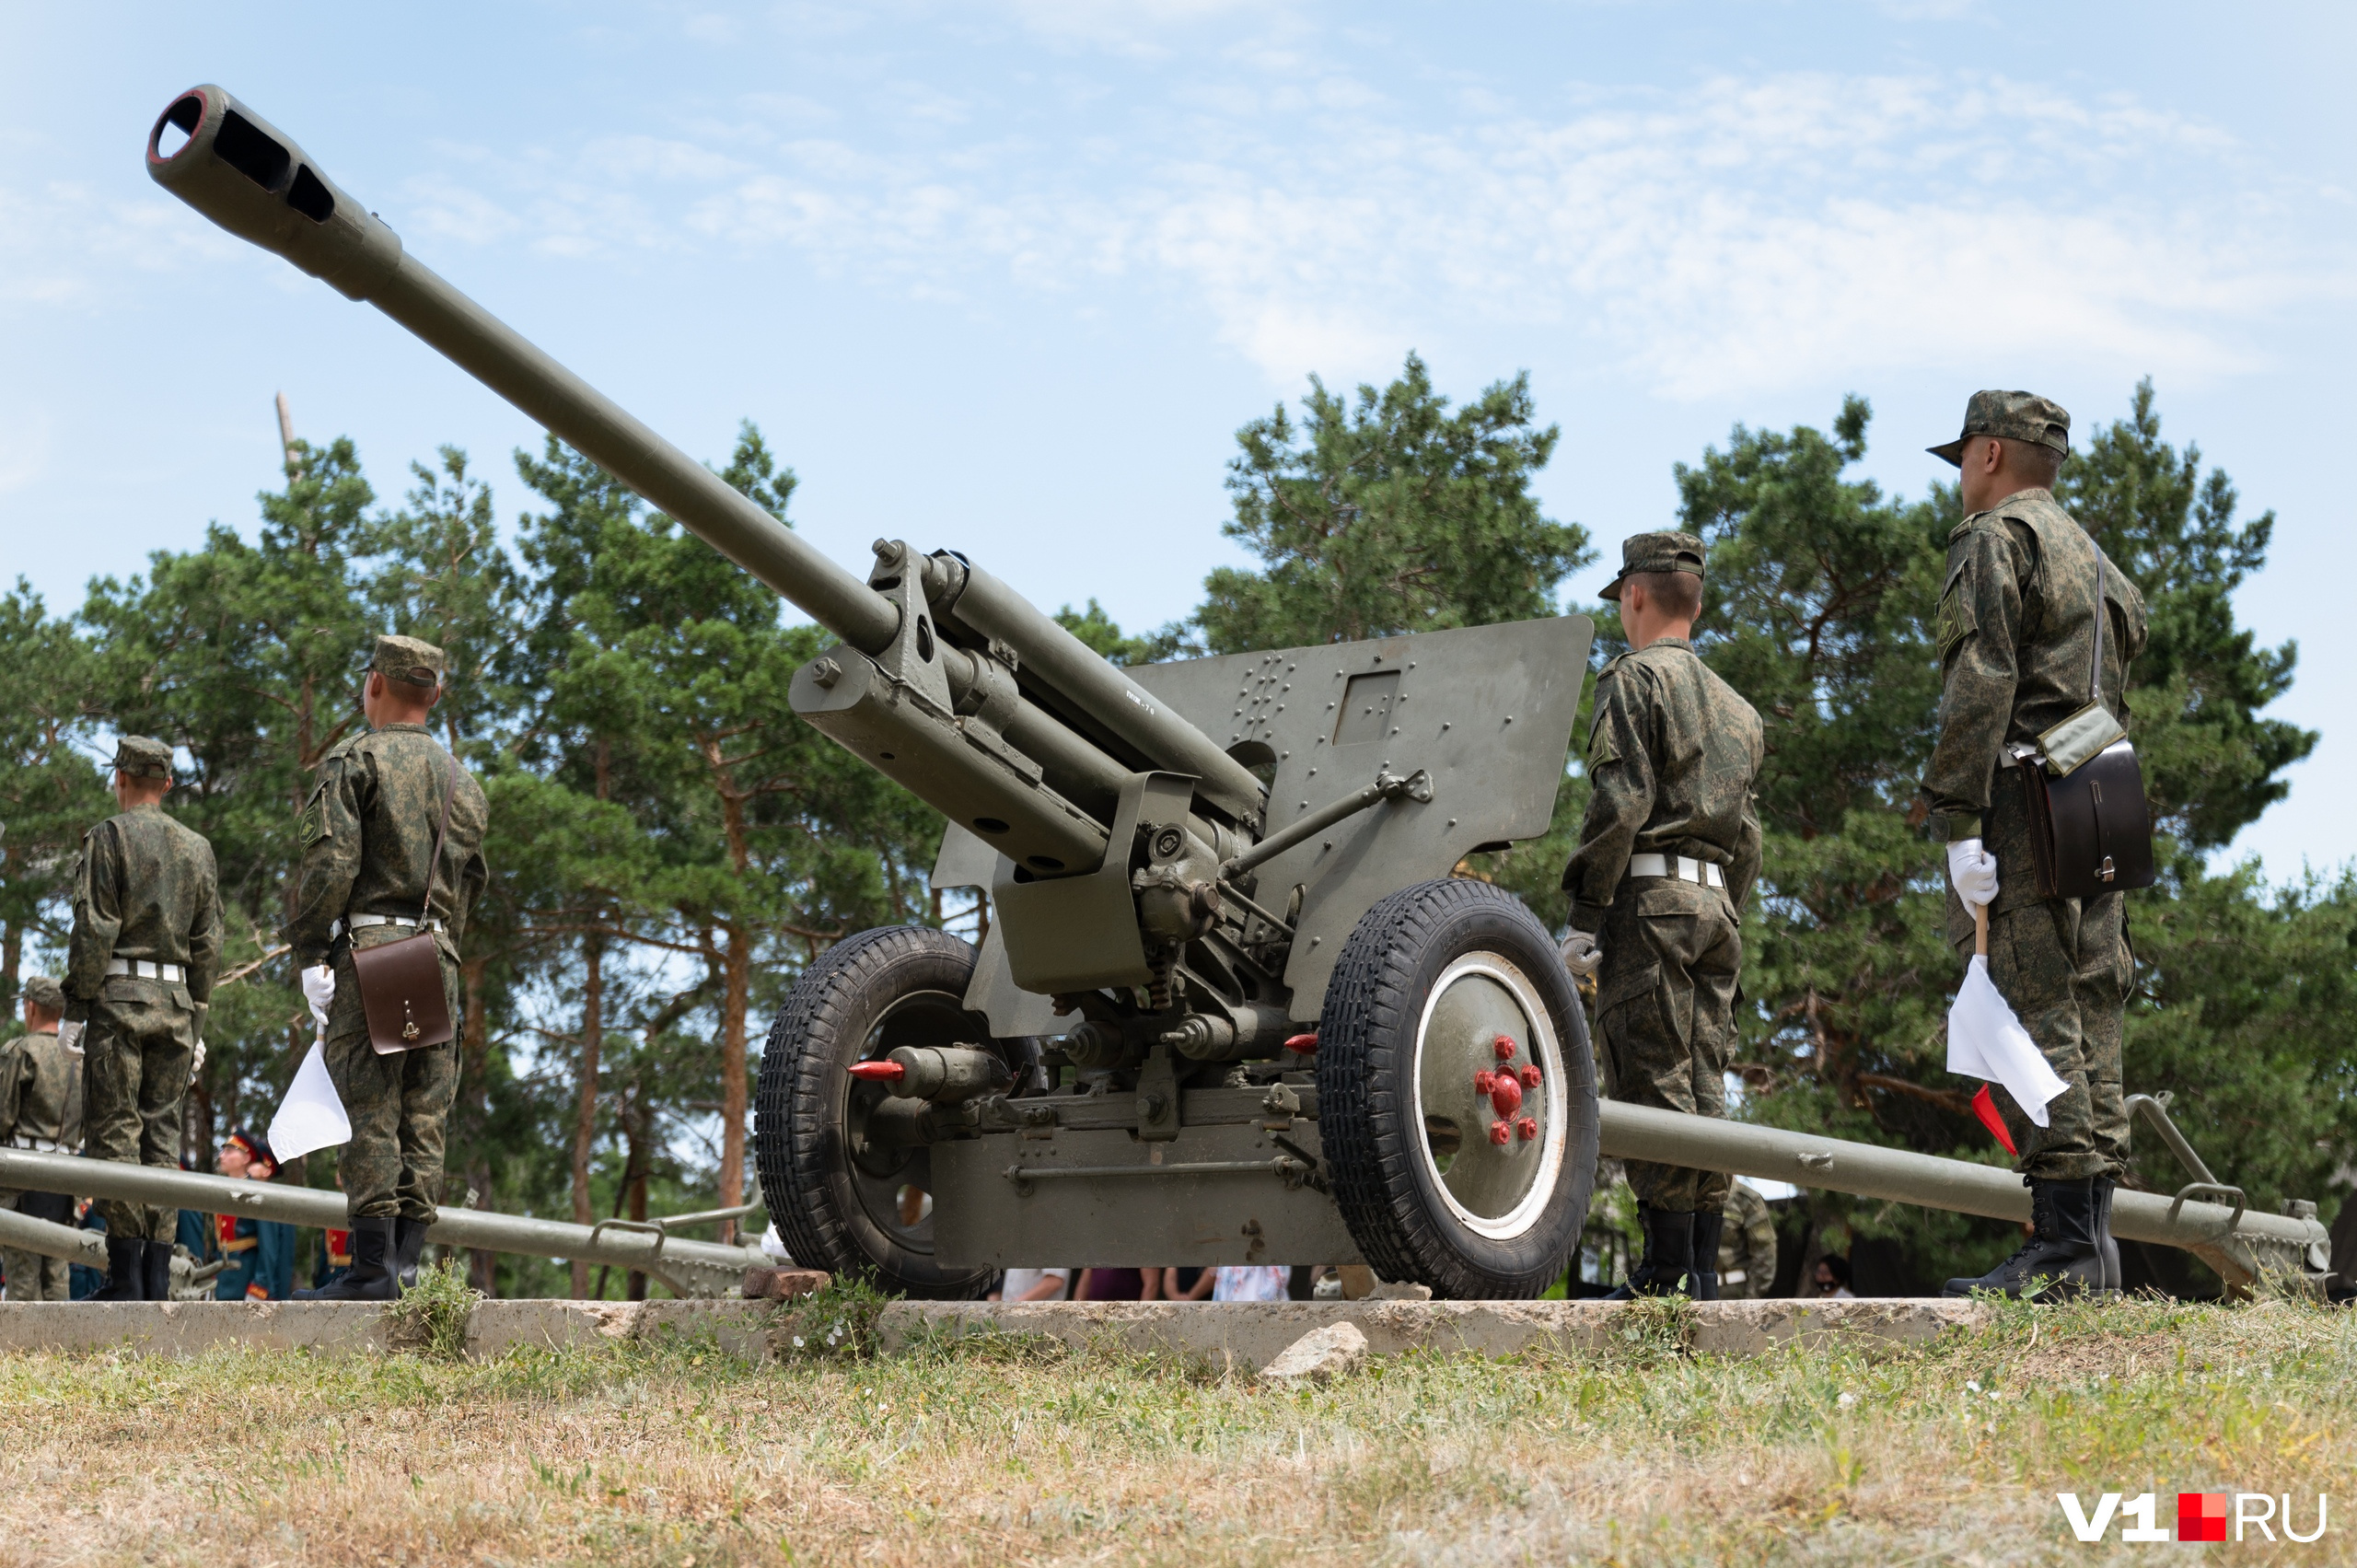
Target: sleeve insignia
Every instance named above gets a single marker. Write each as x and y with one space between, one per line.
1955 621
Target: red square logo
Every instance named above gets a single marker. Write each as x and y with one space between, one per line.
2201 1515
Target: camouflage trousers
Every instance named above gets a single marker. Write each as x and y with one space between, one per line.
399 1106
138 1057
1665 1019
30 1276
2065 967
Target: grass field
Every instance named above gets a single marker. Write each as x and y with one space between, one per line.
1007 1452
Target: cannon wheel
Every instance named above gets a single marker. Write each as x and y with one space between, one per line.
838 1203
1429 981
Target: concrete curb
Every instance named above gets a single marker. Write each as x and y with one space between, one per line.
1245 1333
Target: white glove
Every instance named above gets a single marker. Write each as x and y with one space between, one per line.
69 1035
1581 954
318 990
196 1068
1973 871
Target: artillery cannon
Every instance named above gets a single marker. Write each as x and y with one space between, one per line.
1233 1006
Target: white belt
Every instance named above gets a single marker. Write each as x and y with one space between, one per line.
1676 865
355 922
140 968
40 1146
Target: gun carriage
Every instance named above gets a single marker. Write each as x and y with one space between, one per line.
1233 1006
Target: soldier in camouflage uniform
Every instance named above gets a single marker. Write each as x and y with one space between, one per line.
139 974
1667 854
2015 631
40 1108
367 835
1746 1245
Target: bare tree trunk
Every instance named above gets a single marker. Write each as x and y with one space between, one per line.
585 1123
635 1125
737 998
12 954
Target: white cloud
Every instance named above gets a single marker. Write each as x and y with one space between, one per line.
1738 233
65 246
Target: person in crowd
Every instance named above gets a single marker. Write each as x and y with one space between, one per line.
1252 1282
1033 1285
40 1110
1188 1284
1831 1280
83 1281
1119 1284
1746 1245
261 1253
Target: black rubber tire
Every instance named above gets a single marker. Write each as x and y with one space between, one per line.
1370 1131
803 1101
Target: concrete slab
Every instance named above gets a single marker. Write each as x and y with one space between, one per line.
1240 1334
192 1327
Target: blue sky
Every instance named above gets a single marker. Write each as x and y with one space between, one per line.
1007 277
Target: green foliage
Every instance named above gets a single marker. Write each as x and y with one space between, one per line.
1392 515
48 790
1098 630
2211 763
431 1317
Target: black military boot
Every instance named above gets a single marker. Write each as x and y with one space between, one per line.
1704 1284
371 1278
408 1245
156 1271
126 1272
2105 1246
1668 1257
2062 1251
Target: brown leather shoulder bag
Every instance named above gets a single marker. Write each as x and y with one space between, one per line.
400 983
2090 828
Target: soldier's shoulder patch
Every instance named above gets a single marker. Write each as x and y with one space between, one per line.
1601 752
1956 619
311 822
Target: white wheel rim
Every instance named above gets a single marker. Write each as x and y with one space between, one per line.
1543 1049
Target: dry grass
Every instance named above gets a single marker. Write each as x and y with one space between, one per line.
1014 1453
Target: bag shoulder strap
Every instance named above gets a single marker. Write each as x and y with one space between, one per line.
2103 613
434 864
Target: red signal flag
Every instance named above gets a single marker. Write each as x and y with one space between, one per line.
1986 1109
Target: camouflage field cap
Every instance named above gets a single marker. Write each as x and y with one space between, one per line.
137 757
42 990
2015 416
1656 552
408 659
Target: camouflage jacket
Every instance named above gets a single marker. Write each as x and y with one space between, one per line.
1746 1243
41 1092
1671 758
368 831
2015 631
146 889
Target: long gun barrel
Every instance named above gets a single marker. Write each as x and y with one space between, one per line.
1058 731
683 1261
